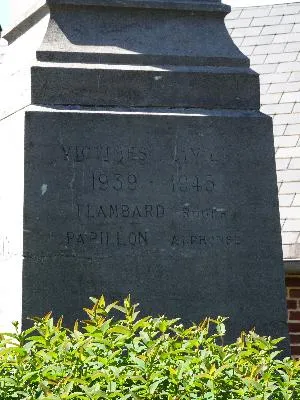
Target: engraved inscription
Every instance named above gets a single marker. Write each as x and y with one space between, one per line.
116 182
118 174
106 154
107 239
116 211
204 240
185 183
209 214
193 155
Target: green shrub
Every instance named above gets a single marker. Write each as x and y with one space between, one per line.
148 358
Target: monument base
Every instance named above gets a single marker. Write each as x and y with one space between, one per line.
178 208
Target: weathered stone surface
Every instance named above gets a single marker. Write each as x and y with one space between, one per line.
172 203
177 208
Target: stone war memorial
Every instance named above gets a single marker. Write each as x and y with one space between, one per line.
148 168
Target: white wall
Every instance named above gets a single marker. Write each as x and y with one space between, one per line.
18 9
11 217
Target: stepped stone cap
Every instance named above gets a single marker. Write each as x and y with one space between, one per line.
181 46
140 32
199 5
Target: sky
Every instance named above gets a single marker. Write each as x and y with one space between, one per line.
4 14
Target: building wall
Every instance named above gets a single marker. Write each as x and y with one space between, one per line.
293 304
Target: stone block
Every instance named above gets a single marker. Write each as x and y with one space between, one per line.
205 87
170 206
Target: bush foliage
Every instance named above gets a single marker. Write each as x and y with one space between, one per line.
148 358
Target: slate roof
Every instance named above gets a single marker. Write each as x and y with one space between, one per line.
270 37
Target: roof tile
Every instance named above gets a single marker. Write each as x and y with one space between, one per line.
290 213
258 59
238 23
279 130
257 40
264 88
292 225
248 50
295 76
291 251
238 41
296 201
289 67
293 96
287 37
242 32
265 68
273 30
271 99
280 58
292 129
292 47
235 14
266 21
285 108
295 163
285 9
286 200
290 188
286 119
282 163
256 12
284 87
291 19
269 78
290 176
269 49
289 237
286 141
296 28
292 152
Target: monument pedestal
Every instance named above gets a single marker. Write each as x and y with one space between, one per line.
155 178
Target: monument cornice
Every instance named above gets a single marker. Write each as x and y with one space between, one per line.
109 48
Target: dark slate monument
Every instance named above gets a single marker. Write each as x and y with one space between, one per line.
149 169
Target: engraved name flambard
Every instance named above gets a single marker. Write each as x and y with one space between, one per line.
182 212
